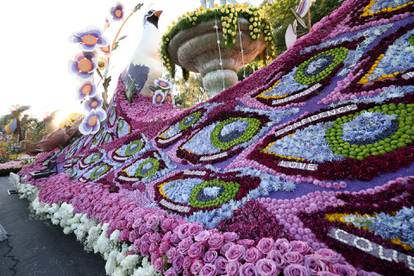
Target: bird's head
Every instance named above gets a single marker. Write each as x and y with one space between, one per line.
152 17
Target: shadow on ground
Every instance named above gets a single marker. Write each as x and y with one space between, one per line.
37 247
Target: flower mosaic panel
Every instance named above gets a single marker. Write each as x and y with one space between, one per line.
304 168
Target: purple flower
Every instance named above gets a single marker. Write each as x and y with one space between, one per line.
210 256
296 270
282 245
208 270
248 269
345 270
171 254
196 267
252 255
117 12
315 264
91 123
216 241
171 272
93 103
196 250
194 229
230 236
86 89
266 267
89 39
184 245
328 255
202 236
300 246
178 263
235 252
265 245
277 257
220 263
293 257
84 65
182 230
232 268
163 84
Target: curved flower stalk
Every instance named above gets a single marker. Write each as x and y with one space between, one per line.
94 61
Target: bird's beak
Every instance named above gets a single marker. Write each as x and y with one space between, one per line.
158 13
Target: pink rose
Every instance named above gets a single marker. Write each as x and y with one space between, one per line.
225 247
159 264
153 249
266 267
171 272
208 270
235 252
232 268
164 247
277 257
293 257
196 267
182 230
171 254
187 262
202 236
184 245
220 263
196 250
174 238
168 224
328 255
326 273
210 256
195 228
178 263
300 246
216 241
282 245
346 270
152 222
230 236
265 245
246 242
252 255
248 269
296 270
155 237
315 264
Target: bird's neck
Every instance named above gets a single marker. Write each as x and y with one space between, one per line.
148 47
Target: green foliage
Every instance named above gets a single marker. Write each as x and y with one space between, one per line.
250 68
280 15
190 92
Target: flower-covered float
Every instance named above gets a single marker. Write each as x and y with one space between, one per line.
304 168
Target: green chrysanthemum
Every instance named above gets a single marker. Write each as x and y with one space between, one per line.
213 193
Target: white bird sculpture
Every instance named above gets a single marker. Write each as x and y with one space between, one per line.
145 66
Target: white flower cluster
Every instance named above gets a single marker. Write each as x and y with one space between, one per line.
93 235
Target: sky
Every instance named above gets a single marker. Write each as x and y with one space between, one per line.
35 48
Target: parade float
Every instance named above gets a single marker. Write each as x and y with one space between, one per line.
304 168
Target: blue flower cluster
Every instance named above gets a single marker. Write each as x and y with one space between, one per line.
308 143
383 4
369 127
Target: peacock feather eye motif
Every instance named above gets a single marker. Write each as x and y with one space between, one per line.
128 150
222 138
198 190
174 132
320 66
308 78
376 7
333 144
90 159
142 170
96 172
122 128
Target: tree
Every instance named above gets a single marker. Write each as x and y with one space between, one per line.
280 15
190 92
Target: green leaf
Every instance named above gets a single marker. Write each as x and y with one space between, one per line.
122 37
138 7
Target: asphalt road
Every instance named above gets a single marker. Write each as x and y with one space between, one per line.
39 247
